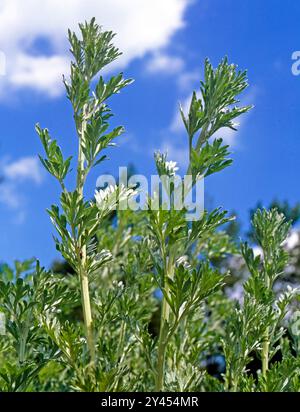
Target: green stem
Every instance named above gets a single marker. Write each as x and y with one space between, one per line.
121 340
266 339
83 275
161 355
202 138
23 339
164 330
265 353
190 148
234 385
87 313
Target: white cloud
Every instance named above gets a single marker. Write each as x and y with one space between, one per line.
142 27
12 198
11 188
9 196
26 168
161 62
40 73
188 81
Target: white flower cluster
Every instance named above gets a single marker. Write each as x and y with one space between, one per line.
165 167
171 168
109 197
102 195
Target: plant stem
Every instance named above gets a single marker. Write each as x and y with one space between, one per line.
161 355
121 340
164 329
87 313
234 385
265 353
83 275
24 338
266 340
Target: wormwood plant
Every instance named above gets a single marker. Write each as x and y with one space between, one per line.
144 307
185 287
257 326
78 223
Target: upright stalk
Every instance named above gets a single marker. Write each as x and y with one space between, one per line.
265 353
266 340
83 275
164 330
161 354
86 306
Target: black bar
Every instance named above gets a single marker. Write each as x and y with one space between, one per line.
133 401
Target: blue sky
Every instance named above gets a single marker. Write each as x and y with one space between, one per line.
164 44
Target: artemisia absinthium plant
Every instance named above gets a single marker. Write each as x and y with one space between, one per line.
184 286
79 220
